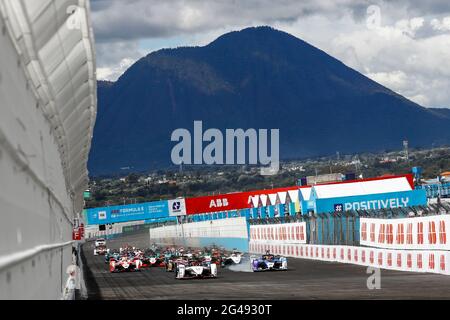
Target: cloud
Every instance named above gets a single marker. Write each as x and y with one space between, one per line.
402 58
135 19
404 45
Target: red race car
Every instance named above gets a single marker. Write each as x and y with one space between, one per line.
124 264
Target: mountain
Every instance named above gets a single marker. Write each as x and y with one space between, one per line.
258 78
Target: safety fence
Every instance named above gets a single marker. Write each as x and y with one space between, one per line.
431 261
336 228
436 190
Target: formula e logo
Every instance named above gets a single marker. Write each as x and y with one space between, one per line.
176 206
338 207
102 215
219 203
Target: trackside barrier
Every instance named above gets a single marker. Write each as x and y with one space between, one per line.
279 233
117 229
229 233
418 233
431 261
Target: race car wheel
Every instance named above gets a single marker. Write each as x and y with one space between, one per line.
180 271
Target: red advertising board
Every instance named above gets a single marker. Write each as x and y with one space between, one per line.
242 200
76 235
226 202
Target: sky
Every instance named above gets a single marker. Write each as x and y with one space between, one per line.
404 45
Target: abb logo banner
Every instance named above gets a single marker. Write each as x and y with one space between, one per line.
219 203
227 202
279 233
425 233
401 260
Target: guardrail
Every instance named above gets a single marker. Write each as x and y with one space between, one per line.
18 257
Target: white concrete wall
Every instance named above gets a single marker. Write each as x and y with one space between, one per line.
93 232
42 149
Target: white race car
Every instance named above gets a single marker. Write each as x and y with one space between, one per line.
100 242
193 270
234 258
100 251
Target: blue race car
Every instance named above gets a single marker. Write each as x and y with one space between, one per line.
269 262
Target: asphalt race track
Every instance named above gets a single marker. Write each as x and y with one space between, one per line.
305 280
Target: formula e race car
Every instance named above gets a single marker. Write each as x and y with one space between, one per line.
100 251
100 242
234 258
124 264
153 261
112 256
269 262
174 261
195 270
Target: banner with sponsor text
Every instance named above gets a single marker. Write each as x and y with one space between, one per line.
431 261
415 233
279 233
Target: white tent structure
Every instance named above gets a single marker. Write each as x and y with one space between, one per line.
48 109
282 197
362 188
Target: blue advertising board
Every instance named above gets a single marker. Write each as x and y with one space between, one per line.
134 212
371 202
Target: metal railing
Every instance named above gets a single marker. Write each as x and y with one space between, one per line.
436 190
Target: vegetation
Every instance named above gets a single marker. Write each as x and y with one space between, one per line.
210 180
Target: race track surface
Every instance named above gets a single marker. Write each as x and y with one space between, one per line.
305 280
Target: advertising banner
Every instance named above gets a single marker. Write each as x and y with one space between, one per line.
419 233
279 233
430 261
372 202
134 212
219 203
177 207
227 202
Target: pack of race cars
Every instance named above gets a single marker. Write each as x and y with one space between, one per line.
185 264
